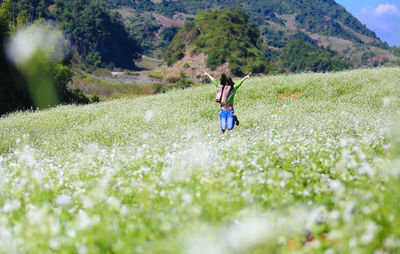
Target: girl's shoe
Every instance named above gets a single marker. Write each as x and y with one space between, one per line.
236 120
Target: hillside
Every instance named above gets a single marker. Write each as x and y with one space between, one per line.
96 33
323 22
225 37
114 34
227 40
307 173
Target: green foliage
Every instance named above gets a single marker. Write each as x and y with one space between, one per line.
206 80
395 50
95 29
14 92
183 83
320 16
226 36
95 98
144 5
315 22
4 21
157 75
91 27
158 87
175 51
169 33
176 83
142 26
299 55
173 79
93 59
22 19
366 56
79 98
38 82
279 37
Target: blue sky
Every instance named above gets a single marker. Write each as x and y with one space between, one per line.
381 16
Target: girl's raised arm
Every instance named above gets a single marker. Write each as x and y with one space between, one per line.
215 82
246 77
208 75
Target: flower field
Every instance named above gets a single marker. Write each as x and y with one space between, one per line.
313 173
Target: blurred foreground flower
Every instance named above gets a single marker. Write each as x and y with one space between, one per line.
37 51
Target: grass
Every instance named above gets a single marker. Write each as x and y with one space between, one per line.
153 174
107 89
158 75
149 63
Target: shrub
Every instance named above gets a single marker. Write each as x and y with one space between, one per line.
78 97
95 98
173 79
206 80
157 87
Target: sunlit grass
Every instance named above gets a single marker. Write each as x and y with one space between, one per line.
153 174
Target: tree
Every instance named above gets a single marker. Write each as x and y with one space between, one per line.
299 55
14 93
96 32
226 36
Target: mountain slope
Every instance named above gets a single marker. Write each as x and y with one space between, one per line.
226 37
322 22
95 32
324 17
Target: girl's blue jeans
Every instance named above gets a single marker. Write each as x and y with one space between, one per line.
226 119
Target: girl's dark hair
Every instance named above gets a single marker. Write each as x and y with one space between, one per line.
225 80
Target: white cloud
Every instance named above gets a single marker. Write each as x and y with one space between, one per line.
381 10
384 20
387 9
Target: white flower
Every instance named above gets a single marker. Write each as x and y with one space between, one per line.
11 205
370 232
83 220
148 115
114 203
63 200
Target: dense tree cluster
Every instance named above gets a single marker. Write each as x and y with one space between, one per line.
97 33
14 93
319 16
299 55
22 87
226 36
94 29
395 50
149 31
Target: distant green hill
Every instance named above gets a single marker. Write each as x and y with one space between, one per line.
96 33
225 36
115 33
322 22
324 17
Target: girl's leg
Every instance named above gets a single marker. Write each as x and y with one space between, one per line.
230 120
222 119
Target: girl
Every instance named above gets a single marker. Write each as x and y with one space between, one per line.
226 117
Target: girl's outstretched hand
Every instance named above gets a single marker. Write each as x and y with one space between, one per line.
246 77
208 75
